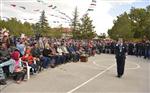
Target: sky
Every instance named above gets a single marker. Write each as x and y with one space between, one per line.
102 15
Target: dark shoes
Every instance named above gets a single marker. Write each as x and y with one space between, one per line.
3 82
119 76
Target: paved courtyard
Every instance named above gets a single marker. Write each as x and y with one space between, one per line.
98 75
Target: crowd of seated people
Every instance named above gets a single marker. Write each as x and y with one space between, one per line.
38 55
42 53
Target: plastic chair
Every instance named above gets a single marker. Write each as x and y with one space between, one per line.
25 63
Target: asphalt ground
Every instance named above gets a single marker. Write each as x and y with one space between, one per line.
98 75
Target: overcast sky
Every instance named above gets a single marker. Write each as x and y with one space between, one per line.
103 15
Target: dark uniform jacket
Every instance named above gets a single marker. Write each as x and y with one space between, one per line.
120 51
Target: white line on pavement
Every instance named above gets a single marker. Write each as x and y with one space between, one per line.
137 66
79 86
99 65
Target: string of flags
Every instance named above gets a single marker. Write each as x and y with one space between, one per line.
22 7
67 18
62 15
94 1
13 5
41 1
92 6
54 7
36 10
59 17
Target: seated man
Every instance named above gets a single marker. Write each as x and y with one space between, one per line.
60 53
46 59
4 56
3 64
73 53
77 52
36 53
54 55
65 52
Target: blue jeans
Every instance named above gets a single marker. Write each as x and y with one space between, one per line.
146 54
46 61
34 66
149 53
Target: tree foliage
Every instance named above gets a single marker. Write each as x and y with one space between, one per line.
122 28
86 28
16 28
43 24
83 28
134 25
75 24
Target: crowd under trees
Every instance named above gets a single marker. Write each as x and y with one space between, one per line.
134 25
79 30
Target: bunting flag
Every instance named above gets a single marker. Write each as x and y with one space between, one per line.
36 10
38 0
50 6
67 16
63 16
62 13
13 5
93 4
94 1
59 17
41 1
22 7
55 21
52 15
90 9
31 19
54 7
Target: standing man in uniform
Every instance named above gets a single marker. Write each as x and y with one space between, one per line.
120 52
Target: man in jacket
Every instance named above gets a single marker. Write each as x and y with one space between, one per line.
120 52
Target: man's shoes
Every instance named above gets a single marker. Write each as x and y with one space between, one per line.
3 82
119 76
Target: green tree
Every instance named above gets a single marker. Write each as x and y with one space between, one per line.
36 29
75 24
138 18
57 32
122 28
135 25
27 29
43 24
86 27
147 23
16 27
148 8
